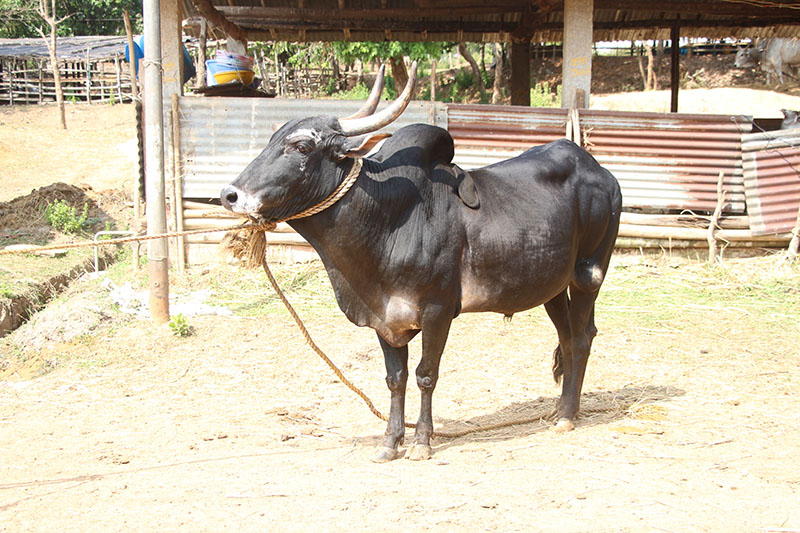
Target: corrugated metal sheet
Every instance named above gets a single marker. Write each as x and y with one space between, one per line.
772 179
662 161
485 134
669 161
220 136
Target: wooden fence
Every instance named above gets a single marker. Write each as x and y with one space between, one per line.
30 80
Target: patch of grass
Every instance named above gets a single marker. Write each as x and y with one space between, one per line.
249 293
65 218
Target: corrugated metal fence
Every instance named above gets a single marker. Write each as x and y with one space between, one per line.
772 179
220 136
664 162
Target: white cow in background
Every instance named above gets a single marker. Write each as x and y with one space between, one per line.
773 55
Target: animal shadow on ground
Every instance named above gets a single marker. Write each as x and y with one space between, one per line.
527 418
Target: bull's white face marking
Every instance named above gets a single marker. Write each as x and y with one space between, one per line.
304 133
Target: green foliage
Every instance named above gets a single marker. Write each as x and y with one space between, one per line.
64 217
180 326
542 96
296 54
464 80
18 18
5 290
359 92
365 51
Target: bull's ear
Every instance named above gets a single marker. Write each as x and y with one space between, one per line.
367 143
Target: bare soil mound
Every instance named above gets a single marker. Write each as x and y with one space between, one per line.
24 216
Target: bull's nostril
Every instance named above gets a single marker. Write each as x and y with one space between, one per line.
231 197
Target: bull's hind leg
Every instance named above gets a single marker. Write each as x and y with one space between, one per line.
573 317
396 360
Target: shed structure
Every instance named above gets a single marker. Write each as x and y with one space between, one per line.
667 162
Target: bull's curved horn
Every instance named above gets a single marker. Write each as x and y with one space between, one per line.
374 99
359 126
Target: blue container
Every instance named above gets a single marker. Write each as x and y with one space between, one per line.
138 53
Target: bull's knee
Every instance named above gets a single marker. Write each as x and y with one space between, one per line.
426 382
396 382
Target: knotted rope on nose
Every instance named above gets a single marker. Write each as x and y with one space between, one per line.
248 245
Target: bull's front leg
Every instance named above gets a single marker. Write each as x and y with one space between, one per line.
435 328
396 360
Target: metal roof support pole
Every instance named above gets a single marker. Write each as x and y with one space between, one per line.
157 252
576 68
675 65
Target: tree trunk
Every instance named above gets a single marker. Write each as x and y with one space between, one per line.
462 49
642 72
433 80
498 73
399 72
48 13
652 80
200 82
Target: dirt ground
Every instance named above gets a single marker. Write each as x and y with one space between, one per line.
689 420
98 148
108 422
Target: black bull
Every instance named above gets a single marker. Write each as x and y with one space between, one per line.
416 241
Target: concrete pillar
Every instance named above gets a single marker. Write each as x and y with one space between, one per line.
157 252
171 49
577 66
521 73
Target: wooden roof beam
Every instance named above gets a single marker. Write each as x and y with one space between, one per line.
207 9
703 8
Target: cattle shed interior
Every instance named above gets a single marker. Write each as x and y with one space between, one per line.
669 164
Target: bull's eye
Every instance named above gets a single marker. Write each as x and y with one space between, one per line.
304 147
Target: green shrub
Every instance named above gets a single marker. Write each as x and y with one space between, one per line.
180 327
359 92
64 217
542 96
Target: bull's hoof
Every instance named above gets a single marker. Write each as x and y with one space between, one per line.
384 454
419 452
564 425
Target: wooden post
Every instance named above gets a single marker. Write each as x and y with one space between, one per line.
25 82
713 224
118 72
41 82
433 80
178 182
131 56
11 83
521 73
88 77
793 251
201 54
675 67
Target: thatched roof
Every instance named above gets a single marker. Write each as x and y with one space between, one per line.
497 20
